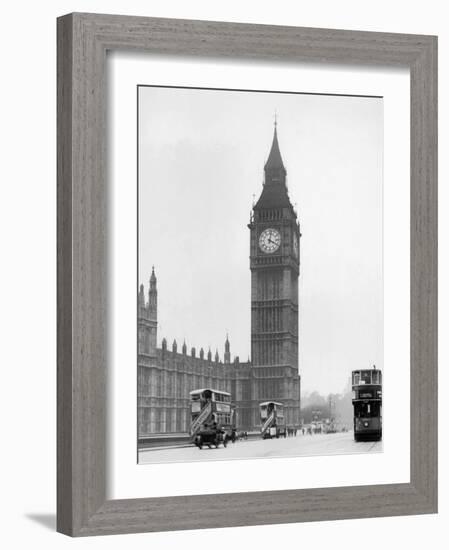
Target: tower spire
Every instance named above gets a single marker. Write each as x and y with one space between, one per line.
152 296
274 161
274 193
227 353
153 279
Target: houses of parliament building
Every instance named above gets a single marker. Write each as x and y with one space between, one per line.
167 374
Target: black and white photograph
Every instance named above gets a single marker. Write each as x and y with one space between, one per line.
224 224
260 291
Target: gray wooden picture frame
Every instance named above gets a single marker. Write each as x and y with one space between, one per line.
83 40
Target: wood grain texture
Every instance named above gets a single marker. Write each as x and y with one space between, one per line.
64 277
83 40
423 277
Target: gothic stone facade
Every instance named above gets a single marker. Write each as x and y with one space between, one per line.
165 377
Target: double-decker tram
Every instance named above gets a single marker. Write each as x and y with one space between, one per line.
212 416
367 402
272 419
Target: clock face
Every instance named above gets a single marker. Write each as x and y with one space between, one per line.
269 240
295 245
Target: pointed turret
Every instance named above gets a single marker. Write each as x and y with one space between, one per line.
174 346
152 296
184 348
209 355
227 353
141 301
147 313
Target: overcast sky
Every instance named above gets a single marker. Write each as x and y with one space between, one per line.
201 158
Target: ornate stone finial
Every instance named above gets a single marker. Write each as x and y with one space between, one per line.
174 346
201 353
184 348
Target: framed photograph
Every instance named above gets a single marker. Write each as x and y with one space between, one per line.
247 274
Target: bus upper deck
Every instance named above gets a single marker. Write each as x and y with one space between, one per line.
208 407
272 419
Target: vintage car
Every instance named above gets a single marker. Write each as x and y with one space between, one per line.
211 435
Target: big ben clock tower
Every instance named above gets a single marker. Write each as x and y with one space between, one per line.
274 264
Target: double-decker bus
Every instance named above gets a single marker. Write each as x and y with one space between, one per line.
209 408
367 402
272 419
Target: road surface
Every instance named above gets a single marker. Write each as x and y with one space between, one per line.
301 445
